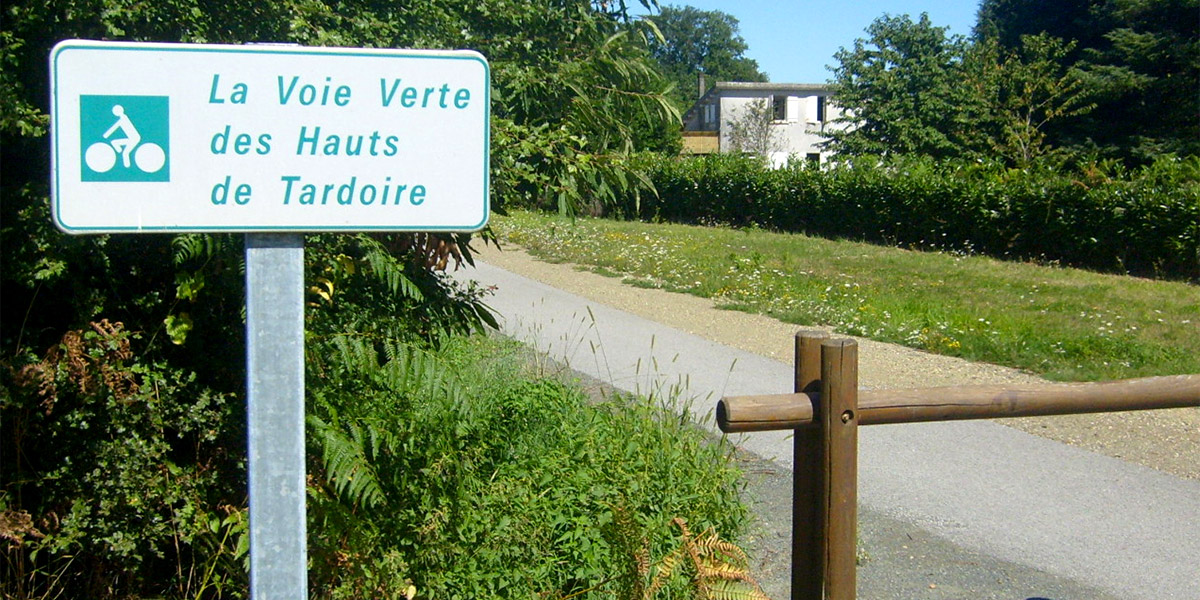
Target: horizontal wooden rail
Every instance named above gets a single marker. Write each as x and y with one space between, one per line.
880 407
828 407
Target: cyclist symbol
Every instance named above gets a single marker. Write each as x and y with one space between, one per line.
102 156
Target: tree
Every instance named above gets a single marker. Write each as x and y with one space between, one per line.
902 91
1146 78
911 90
1006 21
751 130
1138 60
133 506
696 41
1025 91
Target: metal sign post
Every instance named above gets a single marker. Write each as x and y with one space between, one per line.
275 415
273 142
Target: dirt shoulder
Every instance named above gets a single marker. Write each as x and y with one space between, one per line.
1166 440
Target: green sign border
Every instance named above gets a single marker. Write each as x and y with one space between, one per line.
67 45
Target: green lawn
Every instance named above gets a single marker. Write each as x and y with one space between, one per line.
1065 324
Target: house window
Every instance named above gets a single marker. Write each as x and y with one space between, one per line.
779 107
813 158
820 109
710 115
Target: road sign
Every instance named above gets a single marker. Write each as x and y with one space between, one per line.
271 141
192 137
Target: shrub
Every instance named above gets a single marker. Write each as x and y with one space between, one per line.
118 469
123 445
444 468
1145 222
465 478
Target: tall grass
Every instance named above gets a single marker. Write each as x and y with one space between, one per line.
464 475
1065 324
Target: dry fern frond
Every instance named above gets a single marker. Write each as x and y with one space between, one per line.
434 251
721 568
15 525
666 568
710 569
85 361
631 548
734 590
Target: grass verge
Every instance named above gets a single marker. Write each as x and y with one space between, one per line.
1064 324
465 474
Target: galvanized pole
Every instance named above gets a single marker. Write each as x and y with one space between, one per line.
275 415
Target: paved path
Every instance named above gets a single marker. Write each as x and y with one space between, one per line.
993 493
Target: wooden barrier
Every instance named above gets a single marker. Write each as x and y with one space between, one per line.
826 408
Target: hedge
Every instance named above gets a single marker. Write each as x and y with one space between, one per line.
1145 222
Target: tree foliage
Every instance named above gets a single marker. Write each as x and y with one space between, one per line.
751 129
903 88
1006 21
1115 78
1137 60
696 41
79 397
1022 93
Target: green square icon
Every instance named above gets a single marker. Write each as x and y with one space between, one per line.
125 138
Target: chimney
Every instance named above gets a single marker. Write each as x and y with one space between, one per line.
701 84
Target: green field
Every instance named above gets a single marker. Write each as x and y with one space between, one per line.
1065 324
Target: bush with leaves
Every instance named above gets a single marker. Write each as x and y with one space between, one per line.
1144 221
119 467
569 80
130 469
460 475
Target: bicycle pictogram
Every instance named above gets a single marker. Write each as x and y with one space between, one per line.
125 138
102 156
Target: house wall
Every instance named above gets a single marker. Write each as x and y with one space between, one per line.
800 132
700 142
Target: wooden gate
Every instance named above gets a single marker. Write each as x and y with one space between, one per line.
827 407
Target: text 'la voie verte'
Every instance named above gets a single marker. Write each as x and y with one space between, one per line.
393 92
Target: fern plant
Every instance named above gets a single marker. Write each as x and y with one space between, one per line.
347 451
719 569
446 469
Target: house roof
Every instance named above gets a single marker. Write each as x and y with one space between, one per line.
756 86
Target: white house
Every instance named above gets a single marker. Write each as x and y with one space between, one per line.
802 114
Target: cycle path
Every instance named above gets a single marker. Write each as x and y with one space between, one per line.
989 511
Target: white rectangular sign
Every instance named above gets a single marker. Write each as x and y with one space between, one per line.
196 137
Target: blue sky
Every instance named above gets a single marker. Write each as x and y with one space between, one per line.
794 40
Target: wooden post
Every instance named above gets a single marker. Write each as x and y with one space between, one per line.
808 473
839 430
825 411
